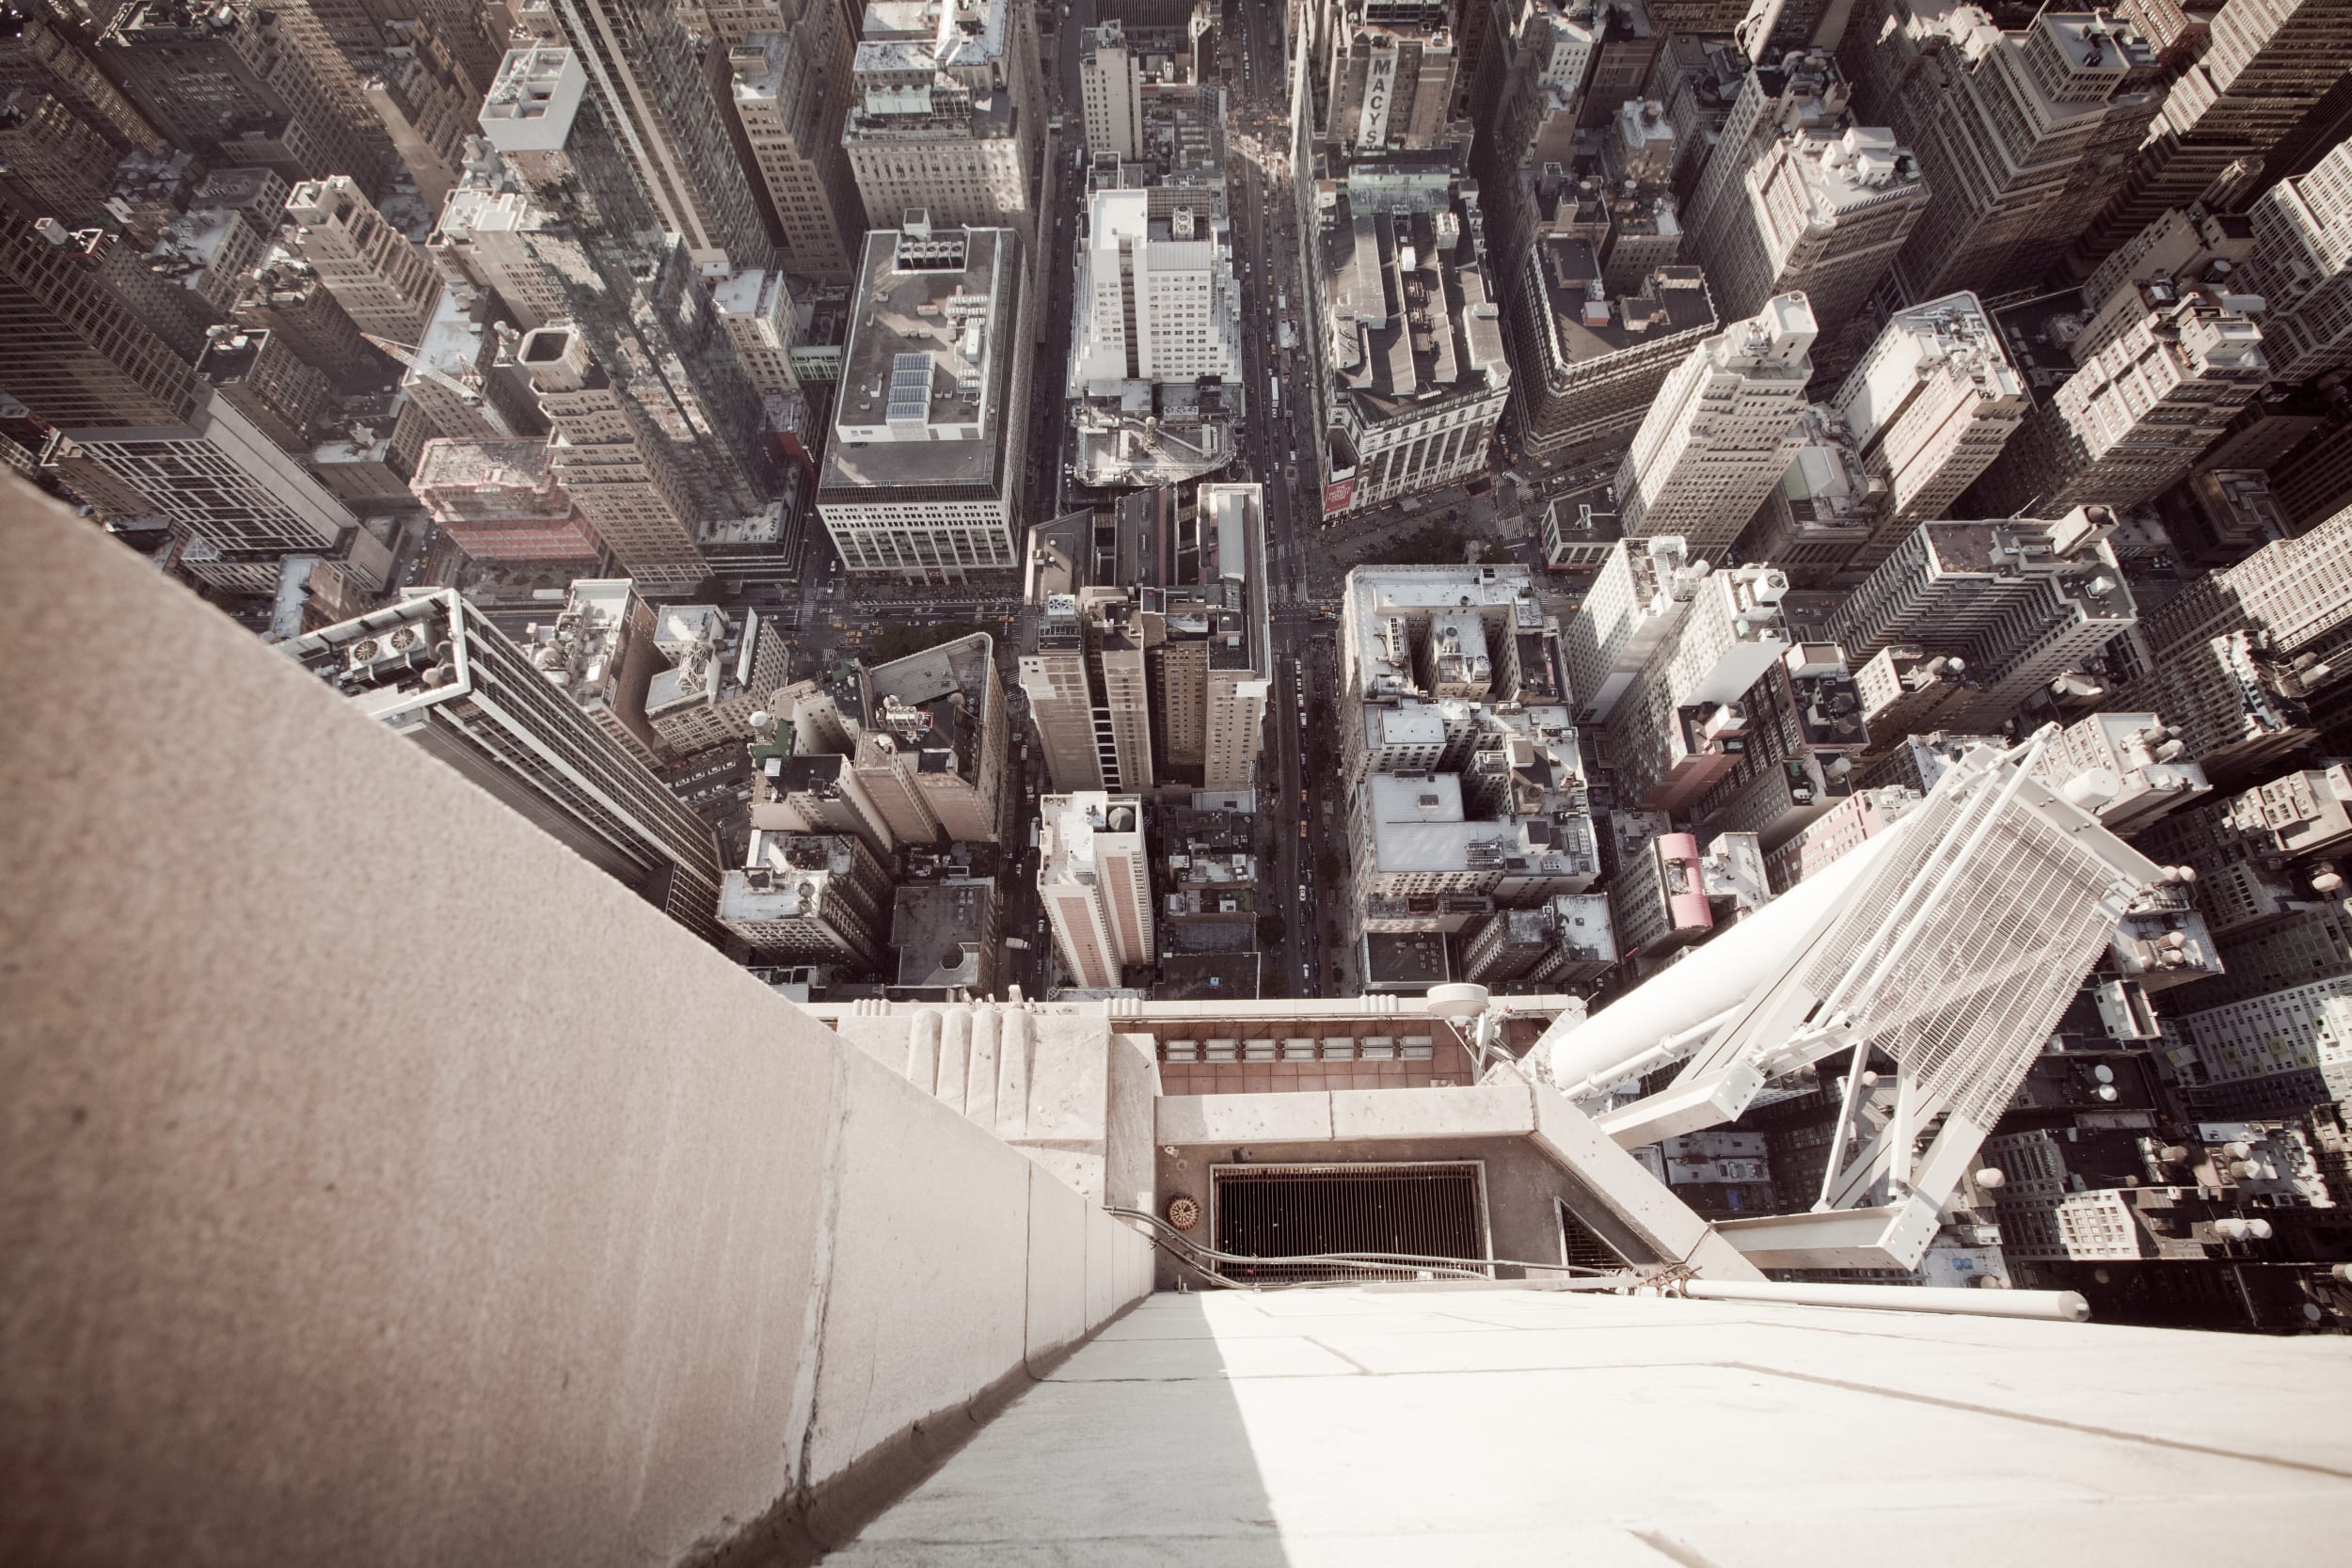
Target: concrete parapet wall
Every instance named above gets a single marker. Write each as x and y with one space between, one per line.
380 1182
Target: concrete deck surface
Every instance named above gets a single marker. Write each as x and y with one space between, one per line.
1367 1427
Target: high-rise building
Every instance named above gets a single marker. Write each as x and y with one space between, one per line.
43 55
1723 429
2295 595
1822 212
1680 727
433 667
593 250
722 670
2266 62
284 296
64 163
1824 510
1634 604
427 92
1803 734
619 476
75 350
790 92
500 502
2132 419
1110 91
809 898
2022 602
1094 880
385 284
1156 298
1589 365
931 745
2148 762
2017 132
946 116
922 477
1797 90
248 86
1414 389
599 651
2184 244
2302 268
1391 75
1084 675
1906 690
653 82
2280 1052
284 398
1212 661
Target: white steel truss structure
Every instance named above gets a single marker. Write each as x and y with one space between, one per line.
1950 944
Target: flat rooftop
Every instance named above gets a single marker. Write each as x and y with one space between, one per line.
934 321
1262 1429
1587 324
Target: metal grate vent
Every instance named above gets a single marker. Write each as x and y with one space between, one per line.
1436 1210
1579 1247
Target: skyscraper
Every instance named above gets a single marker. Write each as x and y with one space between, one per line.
1680 726
1110 91
1094 877
1156 298
386 285
2138 412
2016 132
2302 268
1932 404
1634 604
947 115
788 90
590 246
1822 212
653 82
1721 432
2266 62
619 476
2021 601
433 667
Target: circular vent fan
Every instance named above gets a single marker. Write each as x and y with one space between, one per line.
364 649
1182 1212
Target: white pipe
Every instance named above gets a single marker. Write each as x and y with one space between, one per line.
2047 1305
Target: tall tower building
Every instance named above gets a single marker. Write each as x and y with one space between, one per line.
2022 602
1721 432
64 163
80 355
1930 406
2266 64
809 898
1636 601
1391 75
1084 673
42 56
1821 212
1798 90
1094 877
1156 298
789 90
619 476
433 667
589 246
386 285
1680 727
945 114
74 350
2302 268
287 298
2016 132
922 477
2138 412
653 83
249 87
1110 87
